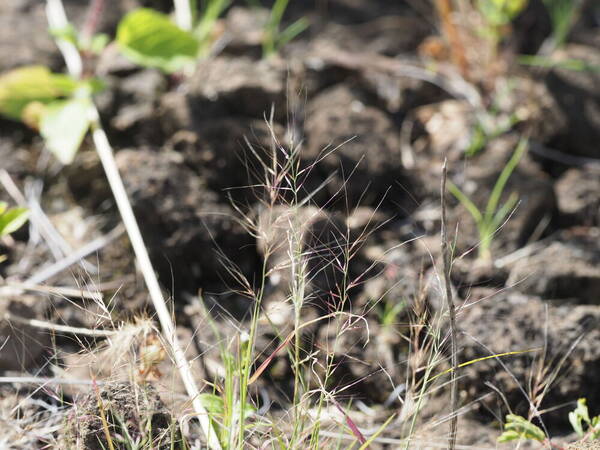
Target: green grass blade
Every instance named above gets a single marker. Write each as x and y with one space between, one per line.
212 12
377 433
292 31
277 12
504 211
466 202
510 166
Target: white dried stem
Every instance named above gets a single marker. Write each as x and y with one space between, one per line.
183 14
44 325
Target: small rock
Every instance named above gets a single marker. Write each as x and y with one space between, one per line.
576 92
245 30
238 86
567 269
578 196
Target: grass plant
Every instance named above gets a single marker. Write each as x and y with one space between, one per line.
491 218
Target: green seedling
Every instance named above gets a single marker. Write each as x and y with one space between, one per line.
274 38
93 44
518 428
204 29
584 426
55 104
498 15
151 39
482 134
492 217
389 312
496 120
11 219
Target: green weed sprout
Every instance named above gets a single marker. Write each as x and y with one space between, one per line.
11 219
491 218
149 38
389 312
585 427
498 14
203 30
517 428
274 39
93 44
56 105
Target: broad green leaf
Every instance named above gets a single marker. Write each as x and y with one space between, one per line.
213 403
150 39
19 87
12 220
64 125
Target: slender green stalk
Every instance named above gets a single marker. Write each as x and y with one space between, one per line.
273 37
203 29
245 365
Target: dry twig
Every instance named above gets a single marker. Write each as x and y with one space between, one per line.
447 257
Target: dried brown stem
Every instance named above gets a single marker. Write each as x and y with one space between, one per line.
457 50
447 257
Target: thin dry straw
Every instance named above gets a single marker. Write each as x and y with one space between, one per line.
447 257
